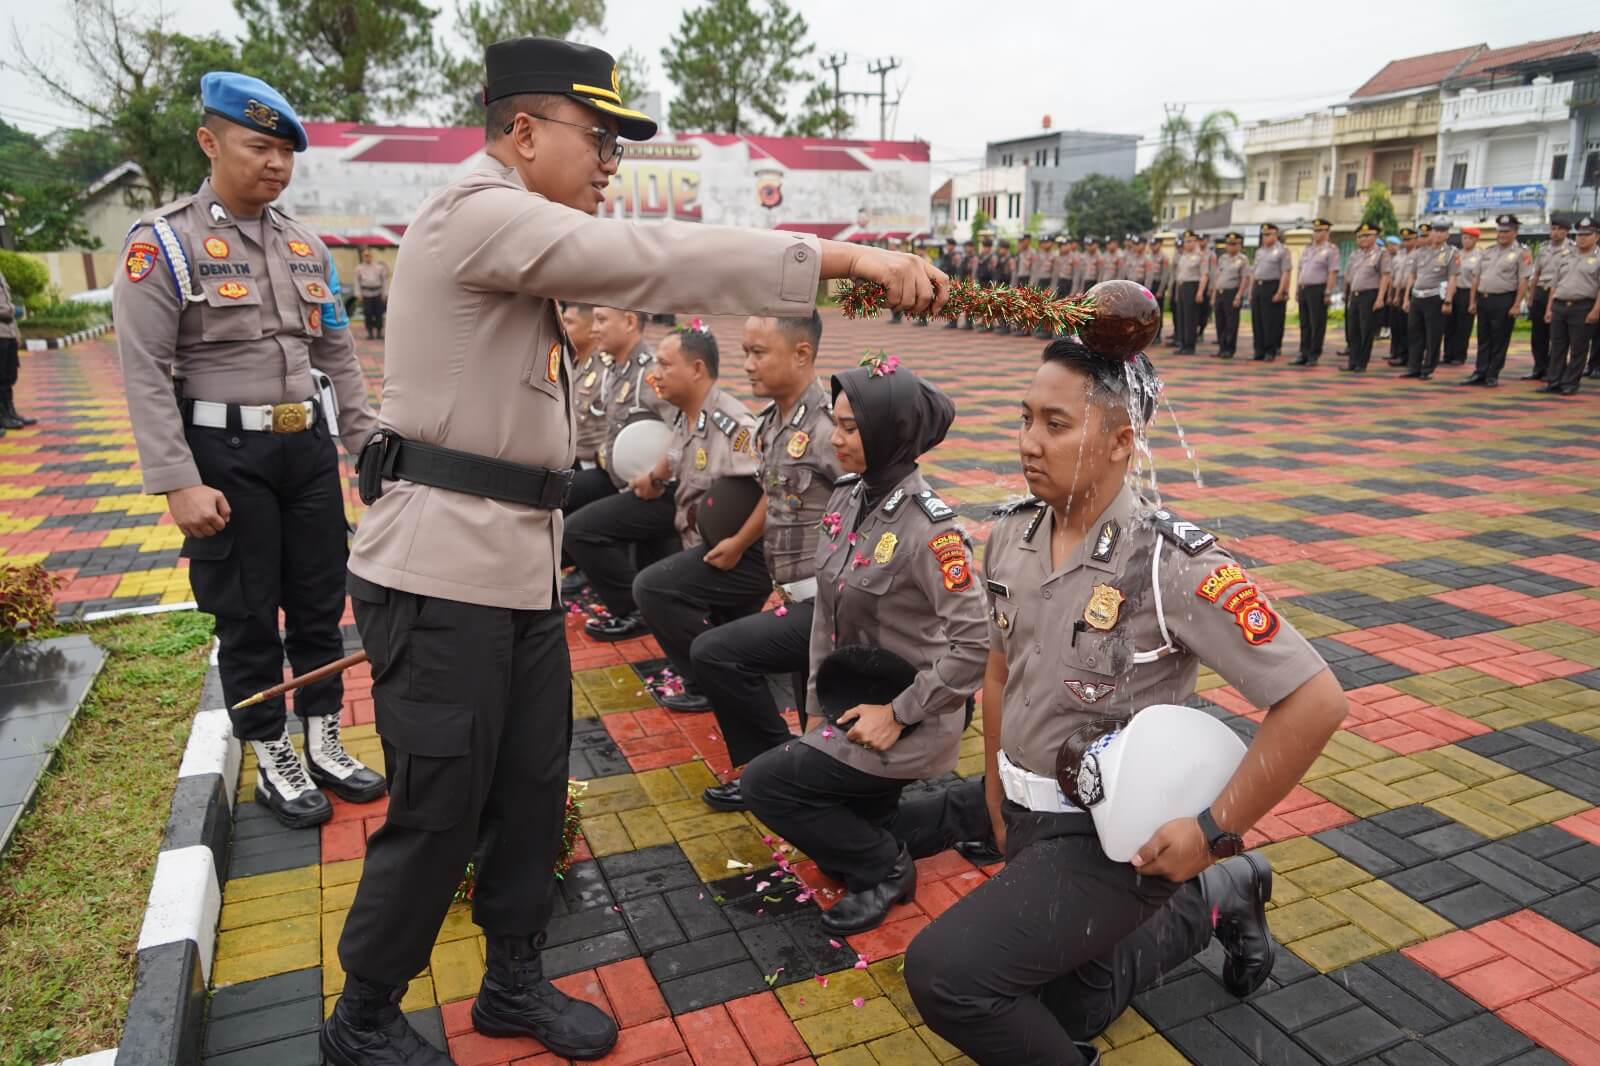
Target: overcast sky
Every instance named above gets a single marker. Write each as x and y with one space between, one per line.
972 72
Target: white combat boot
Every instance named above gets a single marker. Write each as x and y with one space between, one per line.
336 769
283 787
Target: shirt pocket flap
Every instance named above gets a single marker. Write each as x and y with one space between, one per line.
431 729
874 580
312 290
231 292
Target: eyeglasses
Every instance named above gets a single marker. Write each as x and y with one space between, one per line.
605 141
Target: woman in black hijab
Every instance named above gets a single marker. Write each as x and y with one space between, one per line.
893 576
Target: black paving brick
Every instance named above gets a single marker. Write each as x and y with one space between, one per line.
651 923
1479 1041
1391 845
581 925
1447 840
1411 1053
702 990
1388 999
634 862
1575 910
1473 905
1490 873
1582 863
819 945
265 1026
1409 821
780 960
1537 1057
429 1024
587 954
1369 859
1183 1000
583 887
302 1050
697 914
1437 995
267 992
1350 1036
1265 1042
697 956
1204 1044
1524 866
1305 1002
661 879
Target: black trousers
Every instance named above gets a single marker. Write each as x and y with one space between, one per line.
682 596
1594 352
1186 315
836 814
10 363
1569 341
1540 340
1495 320
1052 949
1459 334
602 538
930 823
1313 303
1227 322
283 548
1425 326
1202 317
1266 318
1399 341
372 311
731 664
1362 325
588 485
474 705
1161 313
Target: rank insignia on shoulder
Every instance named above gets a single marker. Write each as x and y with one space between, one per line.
622 391
1186 535
1017 506
1106 542
1033 527
999 588
892 504
799 415
725 422
936 509
700 422
589 378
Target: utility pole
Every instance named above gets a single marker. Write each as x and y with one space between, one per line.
882 68
835 62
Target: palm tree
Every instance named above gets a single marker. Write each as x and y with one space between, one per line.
1171 163
1191 155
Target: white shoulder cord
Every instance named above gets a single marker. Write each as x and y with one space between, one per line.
179 261
1167 647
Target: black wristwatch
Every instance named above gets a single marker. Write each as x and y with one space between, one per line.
1221 843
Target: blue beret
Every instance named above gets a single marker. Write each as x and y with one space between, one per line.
251 103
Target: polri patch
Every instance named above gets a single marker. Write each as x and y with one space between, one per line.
141 259
1220 580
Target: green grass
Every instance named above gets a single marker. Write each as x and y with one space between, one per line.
74 884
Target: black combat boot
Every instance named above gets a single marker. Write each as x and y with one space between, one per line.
516 1000
366 1028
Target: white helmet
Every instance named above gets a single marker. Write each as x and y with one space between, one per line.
1166 762
639 447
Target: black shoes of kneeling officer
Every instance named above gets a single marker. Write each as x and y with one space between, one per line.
856 912
517 1000
366 1028
688 701
1236 892
614 628
726 797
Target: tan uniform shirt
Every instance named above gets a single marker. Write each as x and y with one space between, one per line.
1471 265
798 469
372 279
1367 268
629 391
261 310
1577 276
1544 264
1271 264
1087 273
1503 270
589 394
1431 268
1192 266
1022 264
1163 274
8 313
1232 271
719 443
1097 614
476 360
1319 263
1402 269
905 585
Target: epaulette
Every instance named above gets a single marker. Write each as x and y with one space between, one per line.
699 422
725 422
1017 505
936 509
1186 535
844 481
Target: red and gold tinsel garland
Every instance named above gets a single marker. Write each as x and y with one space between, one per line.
1029 308
571 825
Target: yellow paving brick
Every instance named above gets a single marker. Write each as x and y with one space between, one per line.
904 1048
1472 816
1373 919
339 897
1394 770
1290 855
626 797
1330 875
253 938
230 969
850 1056
268 908
890 976
1401 906
458 924
1337 947
1337 791
662 786
645 828
457 969
807 998
1284 892
419 995
1129 1026
695 777
1465 766
1360 782
243 888
1428 786
706 824
1551 806
942 1049
605 835
844 1026
1295 921
1151 1051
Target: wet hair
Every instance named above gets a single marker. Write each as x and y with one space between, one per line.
502 112
803 329
1108 378
702 346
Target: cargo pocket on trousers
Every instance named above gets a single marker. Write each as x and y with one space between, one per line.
430 785
214 574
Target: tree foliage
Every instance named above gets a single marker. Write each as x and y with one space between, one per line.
39 189
1099 204
737 69
483 22
350 60
1378 211
1192 157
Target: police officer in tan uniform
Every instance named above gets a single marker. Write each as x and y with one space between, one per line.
372 285
1544 272
229 314
1400 269
1191 275
1317 281
1102 604
797 475
453 569
1573 311
1462 319
895 572
590 372
1498 290
10 348
1368 278
1269 294
1429 297
1233 270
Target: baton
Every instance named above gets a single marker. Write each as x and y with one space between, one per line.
338 666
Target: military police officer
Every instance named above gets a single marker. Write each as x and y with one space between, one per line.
1498 290
1232 271
228 312
1269 294
1368 274
1430 298
1317 282
1102 604
1573 311
1544 272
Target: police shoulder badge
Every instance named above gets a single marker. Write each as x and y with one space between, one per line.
300 248
700 459
885 549
216 247
141 259
1219 581
1103 608
799 443
951 551
1257 621
552 370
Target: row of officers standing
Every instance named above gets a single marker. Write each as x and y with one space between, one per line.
1427 294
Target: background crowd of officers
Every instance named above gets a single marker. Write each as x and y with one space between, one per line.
1426 291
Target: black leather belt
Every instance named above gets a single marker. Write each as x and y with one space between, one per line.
387 457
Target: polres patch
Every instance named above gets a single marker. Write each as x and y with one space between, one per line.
951 551
141 259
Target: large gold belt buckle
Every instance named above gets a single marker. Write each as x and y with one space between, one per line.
288 417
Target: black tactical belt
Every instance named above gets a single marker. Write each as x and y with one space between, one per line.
387 457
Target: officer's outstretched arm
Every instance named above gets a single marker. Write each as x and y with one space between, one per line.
995 675
334 353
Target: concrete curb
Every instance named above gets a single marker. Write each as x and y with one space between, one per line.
36 345
166 1015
